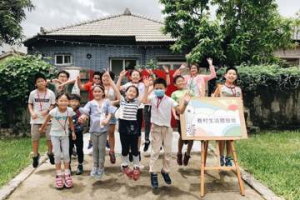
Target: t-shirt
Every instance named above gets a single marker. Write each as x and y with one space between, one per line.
128 109
40 102
88 87
67 88
161 110
60 121
110 94
98 113
234 91
178 94
141 88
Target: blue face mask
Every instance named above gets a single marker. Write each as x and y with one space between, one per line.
159 93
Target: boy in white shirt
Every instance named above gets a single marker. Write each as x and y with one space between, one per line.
161 131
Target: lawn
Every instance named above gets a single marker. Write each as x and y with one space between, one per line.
274 159
15 156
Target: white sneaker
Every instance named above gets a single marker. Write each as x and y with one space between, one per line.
99 173
94 172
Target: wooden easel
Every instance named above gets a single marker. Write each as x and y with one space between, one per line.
204 148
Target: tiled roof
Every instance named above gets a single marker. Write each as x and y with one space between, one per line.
127 24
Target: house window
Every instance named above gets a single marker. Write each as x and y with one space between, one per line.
63 59
117 65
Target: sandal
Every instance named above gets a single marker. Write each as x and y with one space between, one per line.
68 181
112 157
59 182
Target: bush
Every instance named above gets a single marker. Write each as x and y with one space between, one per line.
271 76
17 80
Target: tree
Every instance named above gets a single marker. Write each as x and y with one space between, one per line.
12 13
243 31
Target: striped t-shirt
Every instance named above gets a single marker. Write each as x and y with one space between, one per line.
128 109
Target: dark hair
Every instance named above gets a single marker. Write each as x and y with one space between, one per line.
64 72
137 90
160 81
75 97
231 68
60 94
111 74
39 75
135 70
97 73
196 64
176 78
101 88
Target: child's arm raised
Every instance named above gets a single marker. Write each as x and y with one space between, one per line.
167 71
213 73
122 74
146 92
178 71
79 83
71 126
42 128
116 90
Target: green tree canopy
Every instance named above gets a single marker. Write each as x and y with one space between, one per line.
242 31
12 13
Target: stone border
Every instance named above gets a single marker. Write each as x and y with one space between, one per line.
10 187
262 189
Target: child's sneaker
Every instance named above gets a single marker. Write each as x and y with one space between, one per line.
228 162
35 161
154 181
179 159
59 182
136 173
68 181
166 177
222 160
99 173
79 169
51 158
90 144
93 172
126 170
186 159
146 147
112 157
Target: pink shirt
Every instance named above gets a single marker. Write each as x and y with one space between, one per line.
197 83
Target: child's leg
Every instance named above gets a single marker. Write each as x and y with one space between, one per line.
65 145
48 137
134 149
221 147
71 145
94 137
189 147
147 117
140 122
79 147
101 149
167 137
156 142
228 148
35 137
111 137
180 145
125 148
57 153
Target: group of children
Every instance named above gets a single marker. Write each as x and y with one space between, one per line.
59 115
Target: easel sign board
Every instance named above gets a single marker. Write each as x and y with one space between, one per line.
214 118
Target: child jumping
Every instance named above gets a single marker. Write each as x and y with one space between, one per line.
100 111
40 102
229 89
61 121
161 132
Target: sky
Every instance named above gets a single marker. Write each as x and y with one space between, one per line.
51 14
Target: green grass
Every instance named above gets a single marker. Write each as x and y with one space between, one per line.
15 156
274 159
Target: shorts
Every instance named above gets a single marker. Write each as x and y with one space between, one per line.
35 133
113 121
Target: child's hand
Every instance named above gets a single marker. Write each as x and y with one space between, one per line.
146 82
187 98
210 61
149 71
82 119
34 116
166 69
183 66
104 122
55 80
73 136
123 73
176 117
41 130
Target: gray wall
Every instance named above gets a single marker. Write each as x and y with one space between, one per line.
101 55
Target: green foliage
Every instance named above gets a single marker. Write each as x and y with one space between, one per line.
273 158
12 13
244 31
271 76
17 80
